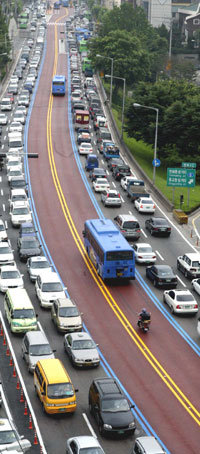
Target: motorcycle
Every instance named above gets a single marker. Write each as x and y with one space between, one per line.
144 325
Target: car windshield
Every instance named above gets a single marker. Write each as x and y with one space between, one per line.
160 222
196 264
18 183
165 272
24 313
84 344
7 437
28 230
115 405
131 225
146 201
85 145
185 298
19 211
5 250
113 195
145 249
30 244
94 450
2 228
18 198
52 287
36 265
102 181
71 311
40 350
60 391
10 274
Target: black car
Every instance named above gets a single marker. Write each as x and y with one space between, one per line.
110 407
97 172
162 276
121 171
158 226
114 162
28 246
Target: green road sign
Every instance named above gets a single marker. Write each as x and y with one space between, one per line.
181 177
189 165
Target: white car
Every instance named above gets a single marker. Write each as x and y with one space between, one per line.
83 444
18 195
85 148
22 109
23 100
10 277
189 264
3 119
125 181
144 253
48 287
111 197
145 205
19 116
3 233
6 104
15 126
180 301
10 440
196 285
100 184
13 162
14 172
37 266
19 213
6 253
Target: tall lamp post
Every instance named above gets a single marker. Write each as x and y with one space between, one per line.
156 135
123 100
111 76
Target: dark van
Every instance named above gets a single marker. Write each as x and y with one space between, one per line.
91 162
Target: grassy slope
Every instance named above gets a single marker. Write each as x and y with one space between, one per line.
144 155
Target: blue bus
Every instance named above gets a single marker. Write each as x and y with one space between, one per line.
58 85
109 251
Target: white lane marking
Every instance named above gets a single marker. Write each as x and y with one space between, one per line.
2 147
102 161
159 255
143 233
108 173
180 280
95 142
0 179
4 208
40 326
130 212
6 129
6 224
1 191
89 425
4 138
113 184
122 199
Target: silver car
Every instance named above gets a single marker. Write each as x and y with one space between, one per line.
35 346
111 197
81 349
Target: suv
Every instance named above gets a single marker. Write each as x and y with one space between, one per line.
110 407
111 197
147 445
189 264
128 226
66 316
121 171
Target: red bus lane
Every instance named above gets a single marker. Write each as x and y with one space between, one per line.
168 417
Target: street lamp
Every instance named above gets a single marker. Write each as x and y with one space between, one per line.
123 101
111 82
156 136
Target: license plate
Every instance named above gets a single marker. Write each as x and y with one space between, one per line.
187 307
168 280
119 274
62 409
120 431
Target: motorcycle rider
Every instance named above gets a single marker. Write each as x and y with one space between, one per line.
144 315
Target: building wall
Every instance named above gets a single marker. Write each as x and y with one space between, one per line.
159 12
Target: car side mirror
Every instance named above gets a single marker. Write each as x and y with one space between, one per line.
83 232
54 351
76 390
36 315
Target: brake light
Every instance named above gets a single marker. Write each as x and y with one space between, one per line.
107 195
154 256
119 195
155 228
196 306
118 174
141 206
140 257
123 231
169 229
178 306
138 231
154 206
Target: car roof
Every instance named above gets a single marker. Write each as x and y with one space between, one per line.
4 243
49 276
150 445
85 441
26 224
38 258
79 336
5 424
65 302
127 217
193 255
37 337
9 268
20 204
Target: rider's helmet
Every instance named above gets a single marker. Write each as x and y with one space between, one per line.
144 310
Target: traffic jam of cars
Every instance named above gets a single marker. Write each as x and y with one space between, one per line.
112 180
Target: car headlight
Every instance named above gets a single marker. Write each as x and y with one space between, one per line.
107 426
16 324
33 323
77 360
132 425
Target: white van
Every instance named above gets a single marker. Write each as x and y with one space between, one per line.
19 311
15 140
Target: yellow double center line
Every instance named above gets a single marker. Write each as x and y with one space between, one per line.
158 368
